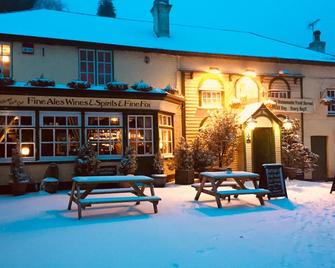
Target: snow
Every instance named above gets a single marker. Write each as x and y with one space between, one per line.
36 231
139 34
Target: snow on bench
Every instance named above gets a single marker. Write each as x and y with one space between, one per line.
258 191
108 191
88 201
223 184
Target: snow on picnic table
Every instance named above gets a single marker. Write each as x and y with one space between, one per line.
36 230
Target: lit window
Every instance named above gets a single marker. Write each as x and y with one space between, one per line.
104 132
211 92
165 134
17 128
95 66
279 88
5 59
246 90
331 106
60 135
140 134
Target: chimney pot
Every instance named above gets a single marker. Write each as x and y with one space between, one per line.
161 15
317 44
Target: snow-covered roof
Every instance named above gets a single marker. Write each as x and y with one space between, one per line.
139 34
250 110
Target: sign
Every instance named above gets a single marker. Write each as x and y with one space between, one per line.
28 48
275 181
293 105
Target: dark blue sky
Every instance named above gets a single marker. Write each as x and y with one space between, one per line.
286 20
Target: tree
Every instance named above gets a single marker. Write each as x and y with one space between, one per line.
128 164
183 156
202 156
18 5
222 135
106 9
49 4
294 153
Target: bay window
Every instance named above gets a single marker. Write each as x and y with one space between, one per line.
5 59
104 132
17 128
165 134
140 135
60 135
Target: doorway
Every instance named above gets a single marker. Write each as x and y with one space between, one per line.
263 149
319 146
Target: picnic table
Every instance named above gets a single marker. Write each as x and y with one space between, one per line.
212 181
84 186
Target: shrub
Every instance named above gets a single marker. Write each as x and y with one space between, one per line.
183 156
128 164
116 85
77 84
86 163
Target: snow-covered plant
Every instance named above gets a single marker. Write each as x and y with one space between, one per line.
170 90
117 85
141 86
106 9
128 164
78 84
86 162
183 156
202 156
17 167
42 82
49 4
158 164
222 134
294 153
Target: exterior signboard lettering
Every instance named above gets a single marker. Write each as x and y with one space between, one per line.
293 105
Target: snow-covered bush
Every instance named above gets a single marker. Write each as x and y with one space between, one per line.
128 164
77 84
86 163
117 85
158 164
42 82
141 86
202 156
17 167
183 155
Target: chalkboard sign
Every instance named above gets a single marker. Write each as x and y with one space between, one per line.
274 180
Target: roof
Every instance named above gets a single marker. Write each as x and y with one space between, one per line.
139 34
251 109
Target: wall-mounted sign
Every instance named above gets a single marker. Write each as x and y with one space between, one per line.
28 48
293 105
80 102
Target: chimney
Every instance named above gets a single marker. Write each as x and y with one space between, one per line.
161 14
317 44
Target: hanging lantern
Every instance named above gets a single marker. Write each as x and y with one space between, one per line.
287 123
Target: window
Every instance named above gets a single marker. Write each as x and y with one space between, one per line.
331 106
104 131
279 88
140 134
246 90
165 134
95 66
211 92
59 134
17 127
5 59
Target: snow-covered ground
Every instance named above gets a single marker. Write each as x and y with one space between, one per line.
36 230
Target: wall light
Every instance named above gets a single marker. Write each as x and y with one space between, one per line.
249 73
25 151
287 123
214 70
251 124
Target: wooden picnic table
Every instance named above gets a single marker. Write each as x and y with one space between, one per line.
215 180
84 186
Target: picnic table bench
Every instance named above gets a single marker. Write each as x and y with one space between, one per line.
215 180
84 186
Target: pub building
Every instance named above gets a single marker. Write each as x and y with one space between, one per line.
192 70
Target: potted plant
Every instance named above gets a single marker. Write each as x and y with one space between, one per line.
296 157
141 86
128 164
42 82
19 178
117 85
158 171
77 84
183 163
202 157
86 163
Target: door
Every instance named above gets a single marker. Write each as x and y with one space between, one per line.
319 146
263 149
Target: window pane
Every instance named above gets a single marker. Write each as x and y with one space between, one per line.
2 120
74 135
83 77
27 150
132 135
12 135
101 68
47 149
104 135
47 135
90 67
90 55
48 120
104 121
12 120
115 121
61 120
60 134
108 57
93 121
148 148
117 148
74 148
27 135
60 149
140 148
90 78
10 148
83 55
108 78
92 135
72 121
140 123
83 67
104 148
132 122
148 135
140 135
108 68
2 135
148 122
2 150
100 56
101 79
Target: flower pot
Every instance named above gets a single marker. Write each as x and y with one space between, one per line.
184 176
19 188
159 179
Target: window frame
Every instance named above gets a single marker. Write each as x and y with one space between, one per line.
98 127
104 63
271 92
10 58
168 128
144 129
20 127
211 91
54 127
331 107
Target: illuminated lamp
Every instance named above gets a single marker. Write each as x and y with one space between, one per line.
5 59
115 120
251 124
25 151
214 70
287 123
249 73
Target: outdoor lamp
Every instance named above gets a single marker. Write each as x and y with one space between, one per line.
214 70
25 151
249 73
287 123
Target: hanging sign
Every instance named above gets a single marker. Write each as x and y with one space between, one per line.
275 180
293 105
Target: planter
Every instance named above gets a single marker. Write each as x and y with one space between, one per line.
50 185
18 188
159 179
184 176
291 172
